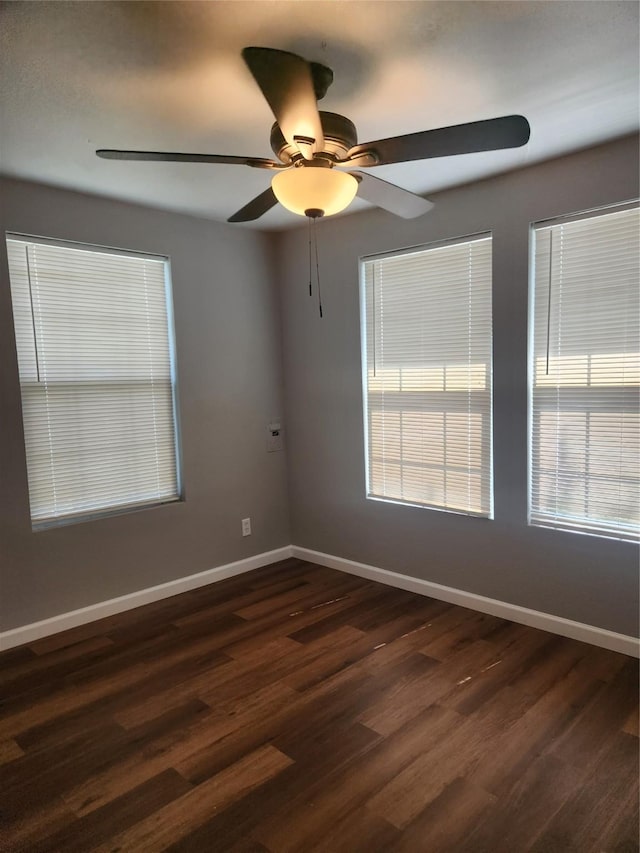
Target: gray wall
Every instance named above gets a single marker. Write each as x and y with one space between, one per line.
586 578
229 372
228 333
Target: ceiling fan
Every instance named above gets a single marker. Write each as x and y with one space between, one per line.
319 158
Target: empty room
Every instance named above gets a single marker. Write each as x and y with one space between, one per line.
319 426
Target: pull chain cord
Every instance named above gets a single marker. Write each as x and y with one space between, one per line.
309 221
315 240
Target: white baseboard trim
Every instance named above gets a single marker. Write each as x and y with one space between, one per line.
36 630
535 618
515 613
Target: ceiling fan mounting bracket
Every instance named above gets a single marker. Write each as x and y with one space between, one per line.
340 136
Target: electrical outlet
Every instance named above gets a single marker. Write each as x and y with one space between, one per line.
246 527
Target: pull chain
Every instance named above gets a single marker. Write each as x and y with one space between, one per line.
315 240
312 215
309 229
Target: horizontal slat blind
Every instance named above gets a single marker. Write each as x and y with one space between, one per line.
585 412
427 376
94 356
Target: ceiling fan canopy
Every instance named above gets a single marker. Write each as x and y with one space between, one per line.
313 147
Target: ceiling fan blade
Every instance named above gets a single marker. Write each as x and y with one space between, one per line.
391 197
256 207
286 81
177 157
489 135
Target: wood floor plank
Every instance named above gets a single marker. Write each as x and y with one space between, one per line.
43 771
15 657
529 806
349 789
273 626
539 726
360 830
156 653
297 709
116 816
152 747
9 750
319 713
287 714
168 824
87 717
482 684
51 666
177 747
410 791
591 807
608 712
468 628
341 649
448 819
73 696
196 680
401 638
327 620
443 632
252 676
632 723
132 715
621 835
403 700
66 639
240 600
27 828
294 599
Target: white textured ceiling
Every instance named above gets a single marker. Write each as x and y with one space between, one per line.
169 76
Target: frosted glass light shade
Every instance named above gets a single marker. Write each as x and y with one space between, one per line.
314 188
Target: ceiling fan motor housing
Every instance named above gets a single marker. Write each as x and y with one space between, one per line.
340 136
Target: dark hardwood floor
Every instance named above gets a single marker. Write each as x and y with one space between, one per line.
299 709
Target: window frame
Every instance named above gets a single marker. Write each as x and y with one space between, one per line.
120 509
403 251
579 527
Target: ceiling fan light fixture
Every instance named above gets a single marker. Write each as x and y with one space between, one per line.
306 188
308 143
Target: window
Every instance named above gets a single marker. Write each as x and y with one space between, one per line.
585 375
93 335
426 328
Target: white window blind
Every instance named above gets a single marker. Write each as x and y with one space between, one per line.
427 344
95 360
585 375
